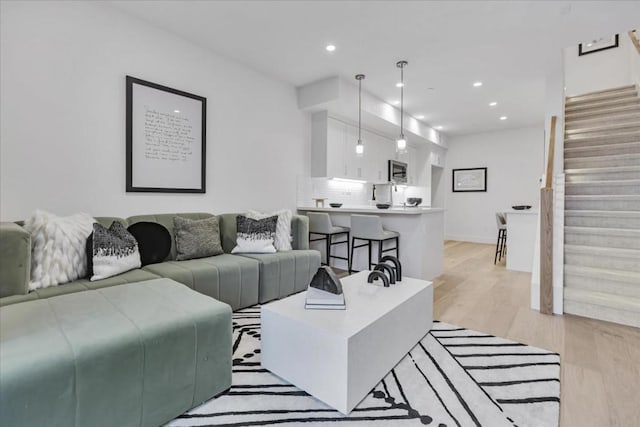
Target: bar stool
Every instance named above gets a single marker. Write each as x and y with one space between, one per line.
320 224
501 244
369 228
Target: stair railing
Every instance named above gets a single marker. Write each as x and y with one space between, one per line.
633 35
546 229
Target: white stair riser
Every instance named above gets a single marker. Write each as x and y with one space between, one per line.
590 189
602 113
572 141
606 176
602 261
613 94
601 105
602 150
603 205
622 242
603 129
600 162
602 222
597 284
599 120
602 313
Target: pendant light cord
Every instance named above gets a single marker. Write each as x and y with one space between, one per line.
402 101
359 110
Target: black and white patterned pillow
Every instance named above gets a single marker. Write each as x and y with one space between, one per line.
255 236
114 251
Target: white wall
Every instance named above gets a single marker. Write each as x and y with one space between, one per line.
62 139
602 70
513 159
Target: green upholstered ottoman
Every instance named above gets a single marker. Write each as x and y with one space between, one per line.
137 354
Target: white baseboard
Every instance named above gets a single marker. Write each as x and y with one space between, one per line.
473 239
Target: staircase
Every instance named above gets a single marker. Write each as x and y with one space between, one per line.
602 205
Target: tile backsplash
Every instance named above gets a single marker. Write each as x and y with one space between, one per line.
354 193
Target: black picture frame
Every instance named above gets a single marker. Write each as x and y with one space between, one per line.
600 46
457 180
131 186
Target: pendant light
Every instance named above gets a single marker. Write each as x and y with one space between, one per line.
359 145
401 142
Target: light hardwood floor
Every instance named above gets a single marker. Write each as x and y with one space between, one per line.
600 361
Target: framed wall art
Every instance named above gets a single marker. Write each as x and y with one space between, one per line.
166 139
593 46
469 180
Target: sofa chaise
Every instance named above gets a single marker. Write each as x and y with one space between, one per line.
138 348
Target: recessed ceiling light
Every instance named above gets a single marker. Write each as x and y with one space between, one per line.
395 102
176 111
420 116
589 44
493 104
503 117
477 84
439 127
399 84
330 48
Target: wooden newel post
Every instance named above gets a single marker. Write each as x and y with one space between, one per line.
546 230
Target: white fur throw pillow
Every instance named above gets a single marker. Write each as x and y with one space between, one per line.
282 241
58 248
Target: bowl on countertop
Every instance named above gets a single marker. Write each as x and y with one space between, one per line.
335 205
521 207
383 205
414 201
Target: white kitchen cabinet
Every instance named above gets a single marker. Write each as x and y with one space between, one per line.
336 149
333 153
355 166
381 150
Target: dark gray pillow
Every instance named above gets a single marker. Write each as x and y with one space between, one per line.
197 238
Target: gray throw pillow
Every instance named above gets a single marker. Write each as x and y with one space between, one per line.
197 238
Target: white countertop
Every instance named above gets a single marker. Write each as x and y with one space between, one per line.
522 212
396 210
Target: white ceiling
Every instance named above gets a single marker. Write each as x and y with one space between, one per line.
509 46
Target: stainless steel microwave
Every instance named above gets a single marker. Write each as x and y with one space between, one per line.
397 172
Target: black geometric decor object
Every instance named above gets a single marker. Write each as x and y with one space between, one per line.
326 280
377 274
396 265
388 270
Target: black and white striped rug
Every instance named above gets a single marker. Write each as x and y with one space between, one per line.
453 377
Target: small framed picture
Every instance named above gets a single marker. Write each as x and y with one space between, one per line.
469 180
593 46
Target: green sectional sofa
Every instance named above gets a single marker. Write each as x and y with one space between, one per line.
138 348
238 280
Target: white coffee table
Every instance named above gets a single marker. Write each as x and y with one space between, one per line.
338 356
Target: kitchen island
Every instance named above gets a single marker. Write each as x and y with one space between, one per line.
421 237
521 239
